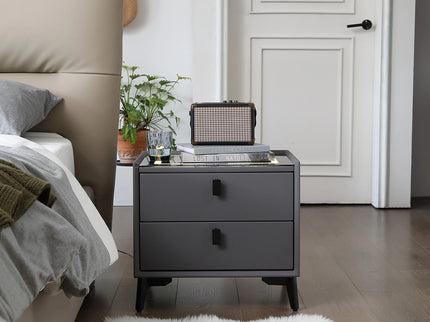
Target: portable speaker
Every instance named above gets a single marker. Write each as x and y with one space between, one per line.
222 123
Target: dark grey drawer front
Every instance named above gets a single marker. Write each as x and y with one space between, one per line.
242 196
243 246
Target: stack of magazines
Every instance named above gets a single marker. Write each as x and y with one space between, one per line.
224 153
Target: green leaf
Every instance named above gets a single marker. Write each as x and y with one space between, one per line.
165 82
183 77
152 77
133 136
143 101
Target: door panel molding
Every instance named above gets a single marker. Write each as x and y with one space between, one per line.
302 6
333 79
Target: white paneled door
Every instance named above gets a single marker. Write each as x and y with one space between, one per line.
311 79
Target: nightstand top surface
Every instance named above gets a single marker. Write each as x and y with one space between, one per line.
282 159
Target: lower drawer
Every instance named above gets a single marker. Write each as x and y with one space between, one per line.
241 246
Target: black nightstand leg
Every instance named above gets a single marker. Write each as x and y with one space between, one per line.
291 284
159 281
293 295
143 284
142 288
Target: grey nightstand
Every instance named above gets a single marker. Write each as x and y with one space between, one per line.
205 220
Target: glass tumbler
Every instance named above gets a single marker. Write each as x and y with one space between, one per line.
159 145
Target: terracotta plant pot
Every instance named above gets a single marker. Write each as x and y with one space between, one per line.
128 152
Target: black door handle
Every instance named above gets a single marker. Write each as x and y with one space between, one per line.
366 25
216 187
216 236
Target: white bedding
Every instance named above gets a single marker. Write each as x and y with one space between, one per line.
56 144
91 211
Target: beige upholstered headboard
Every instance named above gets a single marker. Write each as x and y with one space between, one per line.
74 49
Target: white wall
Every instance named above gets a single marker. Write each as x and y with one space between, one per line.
160 41
401 107
205 33
421 123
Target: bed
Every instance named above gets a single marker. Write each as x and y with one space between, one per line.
73 49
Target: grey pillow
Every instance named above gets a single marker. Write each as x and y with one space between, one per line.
23 106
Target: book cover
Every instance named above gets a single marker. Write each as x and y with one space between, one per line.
217 149
227 157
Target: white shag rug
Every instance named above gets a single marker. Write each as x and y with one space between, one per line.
213 318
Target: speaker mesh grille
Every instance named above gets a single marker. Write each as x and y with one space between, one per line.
223 124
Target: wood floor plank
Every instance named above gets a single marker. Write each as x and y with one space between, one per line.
357 252
326 289
160 301
258 300
98 302
422 237
323 285
208 296
398 242
409 305
421 279
93 315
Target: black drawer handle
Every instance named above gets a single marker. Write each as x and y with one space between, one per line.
216 236
216 187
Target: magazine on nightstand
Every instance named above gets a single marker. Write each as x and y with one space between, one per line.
222 149
227 157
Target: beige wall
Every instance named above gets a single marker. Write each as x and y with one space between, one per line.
421 122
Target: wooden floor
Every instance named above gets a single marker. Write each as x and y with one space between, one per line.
357 264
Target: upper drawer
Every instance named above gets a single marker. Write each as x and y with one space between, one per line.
216 196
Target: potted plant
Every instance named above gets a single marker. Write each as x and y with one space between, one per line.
143 99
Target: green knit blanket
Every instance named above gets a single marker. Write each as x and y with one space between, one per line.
18 191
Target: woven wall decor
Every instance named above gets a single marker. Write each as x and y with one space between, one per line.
129 11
